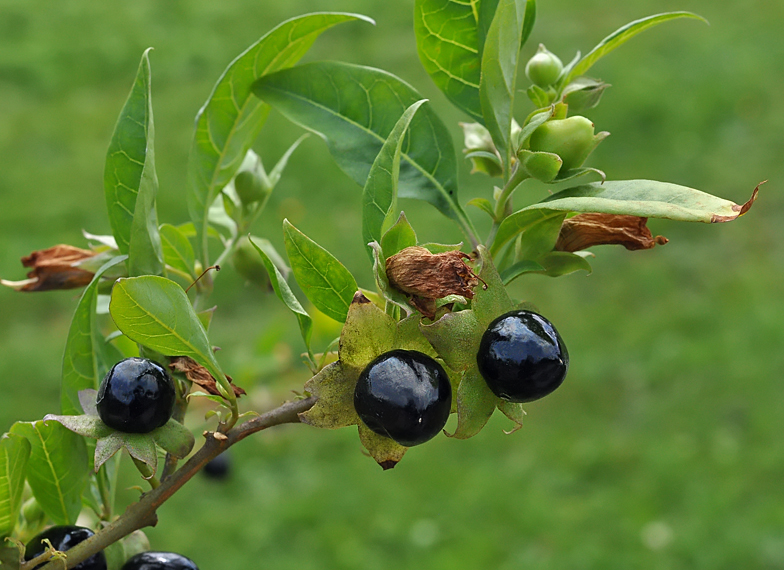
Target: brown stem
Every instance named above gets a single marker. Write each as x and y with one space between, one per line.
143 513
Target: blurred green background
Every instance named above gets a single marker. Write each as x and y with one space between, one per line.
662 450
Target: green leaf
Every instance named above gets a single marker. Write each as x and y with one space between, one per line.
448 47
232 118
354 109
557 263
323 279
522 221
621 36
514 412
379 196
177 250
81 366
14 454
520 268
130 182
140 446
155 312
539 237
284 293
57 470
487 9
645 198
493 300
499 73
483 204
398 237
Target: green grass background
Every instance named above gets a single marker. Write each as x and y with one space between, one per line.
662 450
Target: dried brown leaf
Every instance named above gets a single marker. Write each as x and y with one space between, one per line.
426 276
53 268
586 230
199 375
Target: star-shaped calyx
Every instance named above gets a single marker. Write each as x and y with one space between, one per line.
172 437
368 333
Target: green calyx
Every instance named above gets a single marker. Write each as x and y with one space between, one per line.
572 139
544 68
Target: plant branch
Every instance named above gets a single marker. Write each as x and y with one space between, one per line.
143 513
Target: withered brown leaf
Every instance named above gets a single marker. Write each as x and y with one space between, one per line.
586 230
53 268
426 276
199 375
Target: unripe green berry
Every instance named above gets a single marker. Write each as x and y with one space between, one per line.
544 68
247 263
249 186
572 139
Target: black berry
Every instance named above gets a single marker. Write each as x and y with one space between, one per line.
522 357
136 396
159 561
219 467
405 395
62 539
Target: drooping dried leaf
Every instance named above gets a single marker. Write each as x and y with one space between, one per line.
586 230
53 268
199 375
739 208
426 276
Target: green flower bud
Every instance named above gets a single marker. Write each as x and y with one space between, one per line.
544 68
247 263
572 139
250 187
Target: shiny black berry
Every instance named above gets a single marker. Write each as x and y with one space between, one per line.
405 395
63 538
159 561
218 467
136 396
522 357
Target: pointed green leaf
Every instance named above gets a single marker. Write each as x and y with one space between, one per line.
140 446
520 268
448 47
323 279
483 204
645 198
130 182
81 367
514 412
520 222
57 470
177 250
621 36
379 196
284 293
354 109
487 9
232 118
499 73
155 312
557 263
398 237
14 454
539 237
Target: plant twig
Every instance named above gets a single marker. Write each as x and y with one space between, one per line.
143 513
